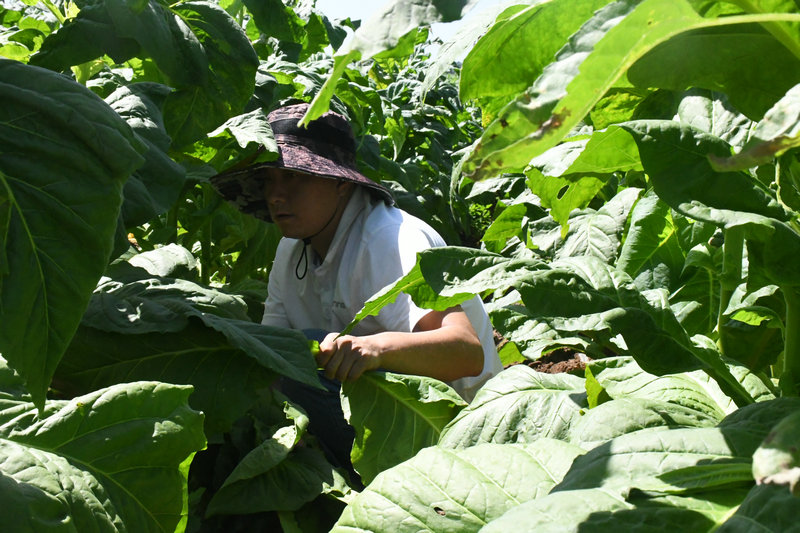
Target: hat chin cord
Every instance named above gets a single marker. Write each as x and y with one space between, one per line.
307 240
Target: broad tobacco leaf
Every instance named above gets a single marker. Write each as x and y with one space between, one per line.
458 490
670 461
519 405
777 460
201 51
494 71
652 248
769 508
601 509
394 417
675 156
682 460
220 90
569 176
622 378
597 58
116 459
85 37
597 232
154 187
66 155
742 60
713 113
629 414
152 328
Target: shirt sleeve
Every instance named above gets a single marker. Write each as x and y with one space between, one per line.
392 253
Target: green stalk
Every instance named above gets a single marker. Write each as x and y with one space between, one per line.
790 377
731 277
205 252
172 222
55 11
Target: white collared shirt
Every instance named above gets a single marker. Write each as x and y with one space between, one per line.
374 246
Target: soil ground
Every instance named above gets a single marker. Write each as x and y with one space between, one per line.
562 360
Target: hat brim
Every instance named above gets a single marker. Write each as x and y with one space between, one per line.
244 188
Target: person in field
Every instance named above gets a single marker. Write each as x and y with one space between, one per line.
343 241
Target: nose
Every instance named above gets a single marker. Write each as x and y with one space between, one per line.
275 190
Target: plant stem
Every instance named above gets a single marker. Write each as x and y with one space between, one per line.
730 278
55 11
790 377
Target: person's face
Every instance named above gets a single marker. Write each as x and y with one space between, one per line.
301 204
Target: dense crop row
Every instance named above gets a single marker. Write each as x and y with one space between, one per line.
623 183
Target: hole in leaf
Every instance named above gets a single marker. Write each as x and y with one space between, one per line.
562 192
439 511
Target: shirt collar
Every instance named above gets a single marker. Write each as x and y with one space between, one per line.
358 201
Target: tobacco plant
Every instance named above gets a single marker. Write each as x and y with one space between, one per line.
615 178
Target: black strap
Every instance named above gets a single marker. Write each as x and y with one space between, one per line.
304 254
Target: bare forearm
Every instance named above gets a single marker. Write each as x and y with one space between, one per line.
443 346
447 353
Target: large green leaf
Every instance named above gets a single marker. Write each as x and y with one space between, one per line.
178 332
683 460
675 156
154 187
621 378
742 60
596 59
494 70
457 490
626 415
224 378
777 460
598 233
113 460
570 175
671 461
713 113
65 157
519 405
596 509
202 52
651 253
220 90
165 36
395 416
766 509
87 36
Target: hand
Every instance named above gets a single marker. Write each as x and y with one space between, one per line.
347 357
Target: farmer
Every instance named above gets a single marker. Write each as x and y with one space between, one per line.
343 241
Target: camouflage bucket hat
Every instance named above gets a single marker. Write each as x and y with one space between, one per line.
326 148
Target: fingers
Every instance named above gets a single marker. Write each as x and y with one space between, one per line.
345 358
326 349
